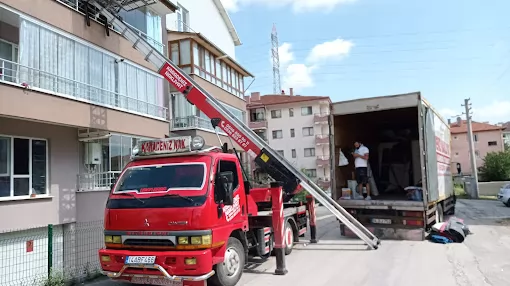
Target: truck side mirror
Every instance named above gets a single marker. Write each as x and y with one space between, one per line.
226 187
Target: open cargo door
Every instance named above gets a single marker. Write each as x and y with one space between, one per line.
431 154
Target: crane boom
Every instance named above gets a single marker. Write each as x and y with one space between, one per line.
265 157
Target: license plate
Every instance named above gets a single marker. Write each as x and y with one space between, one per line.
381 220
140 259
155 281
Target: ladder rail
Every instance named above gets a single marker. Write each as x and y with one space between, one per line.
232 125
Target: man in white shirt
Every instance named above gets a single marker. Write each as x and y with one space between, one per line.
361 164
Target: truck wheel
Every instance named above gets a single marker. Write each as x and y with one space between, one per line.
439 213
289 238
229 272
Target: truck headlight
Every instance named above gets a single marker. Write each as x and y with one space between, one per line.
116 239
194 242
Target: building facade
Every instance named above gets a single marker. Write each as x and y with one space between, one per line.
74 99
297 127
486 137
203 46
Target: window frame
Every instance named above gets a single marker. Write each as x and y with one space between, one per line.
307 108
294 153
31 194
276 110
311 155
273 134
310 133
495 143
292 133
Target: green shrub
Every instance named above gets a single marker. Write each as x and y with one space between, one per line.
496 166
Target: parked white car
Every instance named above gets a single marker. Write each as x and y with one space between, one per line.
504 195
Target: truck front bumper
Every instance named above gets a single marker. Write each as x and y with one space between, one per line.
169 265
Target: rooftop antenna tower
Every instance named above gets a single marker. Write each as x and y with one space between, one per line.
276 61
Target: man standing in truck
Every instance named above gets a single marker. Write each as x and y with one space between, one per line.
361 164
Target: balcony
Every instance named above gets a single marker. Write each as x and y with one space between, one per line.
261 124
96 181
193 122
322 161
322 139
36 80
324 183
321 118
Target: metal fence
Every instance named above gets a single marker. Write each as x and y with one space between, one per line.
53 255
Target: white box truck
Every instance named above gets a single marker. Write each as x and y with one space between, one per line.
409 158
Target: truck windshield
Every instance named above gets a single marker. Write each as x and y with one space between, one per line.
161 178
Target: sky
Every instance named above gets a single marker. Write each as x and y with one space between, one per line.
348 49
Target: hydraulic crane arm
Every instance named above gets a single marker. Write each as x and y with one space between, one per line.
269 160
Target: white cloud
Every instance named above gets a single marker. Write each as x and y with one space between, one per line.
335 49
297 5
494 112
299 75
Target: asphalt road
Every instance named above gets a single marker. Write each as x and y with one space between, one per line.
483 259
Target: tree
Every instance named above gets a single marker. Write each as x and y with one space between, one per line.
496 166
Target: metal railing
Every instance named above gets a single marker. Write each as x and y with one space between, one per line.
78 5
192 122
97 181
33 78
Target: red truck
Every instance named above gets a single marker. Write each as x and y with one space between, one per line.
184 212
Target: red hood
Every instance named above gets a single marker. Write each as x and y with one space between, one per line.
154 219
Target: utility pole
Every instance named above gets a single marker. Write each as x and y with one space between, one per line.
472 155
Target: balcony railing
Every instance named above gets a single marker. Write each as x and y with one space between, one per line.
79 6
96 181
321 118
322 160
261 124
192 122
321 139
31 78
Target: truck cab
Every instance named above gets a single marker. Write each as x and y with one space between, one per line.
177 213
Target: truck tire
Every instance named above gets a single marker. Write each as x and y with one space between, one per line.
229 272
288 237
439 213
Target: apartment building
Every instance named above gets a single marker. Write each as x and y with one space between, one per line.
202 41
506 133
74 99
486 137
297 127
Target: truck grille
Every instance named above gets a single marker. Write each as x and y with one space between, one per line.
148 242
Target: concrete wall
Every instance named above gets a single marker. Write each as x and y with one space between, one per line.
490 188
205 18
460 148
60 206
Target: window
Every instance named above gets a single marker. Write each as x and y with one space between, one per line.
294 155
311 173
291 112
276 113
309 152
86 71
307 131
9 52
257 114
475 137
182 19
277 134
477 154
307 110
493 143
280 152
23 167
185 52
226 166
292 133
